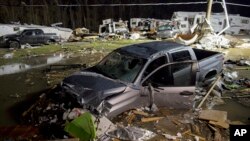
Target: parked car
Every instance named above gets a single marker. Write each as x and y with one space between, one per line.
121 80
167 31
30 36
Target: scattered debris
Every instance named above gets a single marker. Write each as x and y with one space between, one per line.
220 124
110 27
82 127
210 90
27 45
194 135
134 36
151 119
79 34
131 133
104 125
171 137
215 117
74 113
8 56
140 113
130 118
211 41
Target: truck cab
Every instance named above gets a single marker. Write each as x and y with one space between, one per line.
28 36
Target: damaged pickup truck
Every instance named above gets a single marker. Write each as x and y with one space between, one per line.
124 79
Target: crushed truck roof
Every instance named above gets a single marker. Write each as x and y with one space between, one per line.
145 50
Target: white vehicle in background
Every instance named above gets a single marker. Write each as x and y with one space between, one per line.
187 21
146 24
110 27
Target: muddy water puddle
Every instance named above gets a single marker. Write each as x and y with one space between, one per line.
236 110
15 88
33 62
21 81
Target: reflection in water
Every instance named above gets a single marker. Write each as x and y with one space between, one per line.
54 59
13 68
19 67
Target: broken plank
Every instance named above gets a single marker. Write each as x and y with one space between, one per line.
213 115
221 124
210 90
194 135
151 119
175 121
188 132
140 113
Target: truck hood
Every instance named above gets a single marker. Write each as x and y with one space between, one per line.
91 88
11 36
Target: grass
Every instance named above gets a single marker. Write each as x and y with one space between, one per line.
73 47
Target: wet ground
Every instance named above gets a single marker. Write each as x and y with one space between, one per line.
236 110
21 81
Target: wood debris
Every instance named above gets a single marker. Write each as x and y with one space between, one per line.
130 118
141 113
221 124
151 119
213 115
188 132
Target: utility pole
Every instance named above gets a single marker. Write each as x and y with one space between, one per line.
209 9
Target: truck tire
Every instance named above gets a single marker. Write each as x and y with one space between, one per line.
14 44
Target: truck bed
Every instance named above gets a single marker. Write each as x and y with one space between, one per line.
210 63
202 54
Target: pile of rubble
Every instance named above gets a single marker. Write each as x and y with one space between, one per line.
62 119
79 34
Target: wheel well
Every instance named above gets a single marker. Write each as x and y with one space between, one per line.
52 40
211 74
9 41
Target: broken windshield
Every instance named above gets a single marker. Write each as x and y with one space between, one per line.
121 66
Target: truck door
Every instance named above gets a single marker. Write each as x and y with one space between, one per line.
174 84
39 37
28 37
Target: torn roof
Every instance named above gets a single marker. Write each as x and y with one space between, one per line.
145 50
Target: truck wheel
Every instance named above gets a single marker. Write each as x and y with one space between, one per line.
14 44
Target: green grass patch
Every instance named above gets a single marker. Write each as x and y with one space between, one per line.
73 47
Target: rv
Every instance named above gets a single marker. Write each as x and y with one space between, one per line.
146 24
109 27
186 21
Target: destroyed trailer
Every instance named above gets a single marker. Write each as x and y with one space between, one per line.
28 36
155 73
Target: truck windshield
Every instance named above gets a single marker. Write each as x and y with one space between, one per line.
121 66
164 27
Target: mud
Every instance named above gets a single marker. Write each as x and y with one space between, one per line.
28 79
